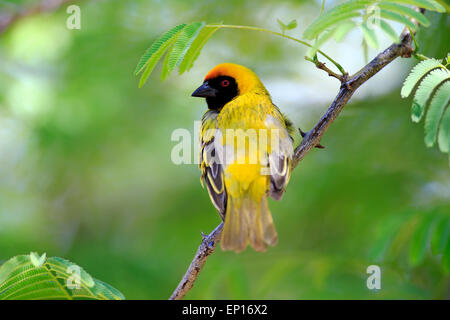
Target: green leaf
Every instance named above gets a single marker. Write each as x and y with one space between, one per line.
165 68
417 73
197 45
158 47
426 4
440 235
180 47
444 132
291 25
343 29
386 14
419 242
425 91
151 63
391 33
434 115
336 14
404 10
370 36
25 278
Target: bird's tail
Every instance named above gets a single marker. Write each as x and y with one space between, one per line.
248 220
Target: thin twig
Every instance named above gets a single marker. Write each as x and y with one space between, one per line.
206 248
310 140
321 65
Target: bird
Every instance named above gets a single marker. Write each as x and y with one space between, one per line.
240 113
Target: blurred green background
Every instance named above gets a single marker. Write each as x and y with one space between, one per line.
86 173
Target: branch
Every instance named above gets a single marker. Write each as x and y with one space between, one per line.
310 140
6 20
206 248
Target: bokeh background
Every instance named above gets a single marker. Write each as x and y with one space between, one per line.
86 172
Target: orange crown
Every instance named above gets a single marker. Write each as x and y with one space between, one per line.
245 78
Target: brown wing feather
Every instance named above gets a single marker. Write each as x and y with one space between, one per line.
212 171
280 161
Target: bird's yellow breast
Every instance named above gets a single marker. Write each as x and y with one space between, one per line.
247 133
248 111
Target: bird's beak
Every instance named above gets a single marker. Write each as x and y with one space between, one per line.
204 91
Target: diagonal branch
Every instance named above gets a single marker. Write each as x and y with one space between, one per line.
206 248
311 139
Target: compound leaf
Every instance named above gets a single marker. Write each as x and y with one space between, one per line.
416 74
33 277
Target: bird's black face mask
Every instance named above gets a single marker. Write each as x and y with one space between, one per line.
217 91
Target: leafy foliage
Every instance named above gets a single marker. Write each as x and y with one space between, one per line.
420 237
158 47
431 237
34 277
195 48
182 45
372 14
431 79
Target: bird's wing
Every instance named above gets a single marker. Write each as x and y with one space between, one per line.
212 170
280 156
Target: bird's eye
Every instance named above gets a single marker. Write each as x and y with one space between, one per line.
225 83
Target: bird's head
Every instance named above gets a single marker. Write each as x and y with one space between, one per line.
227 81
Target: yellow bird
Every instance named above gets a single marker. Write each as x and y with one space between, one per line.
246 154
